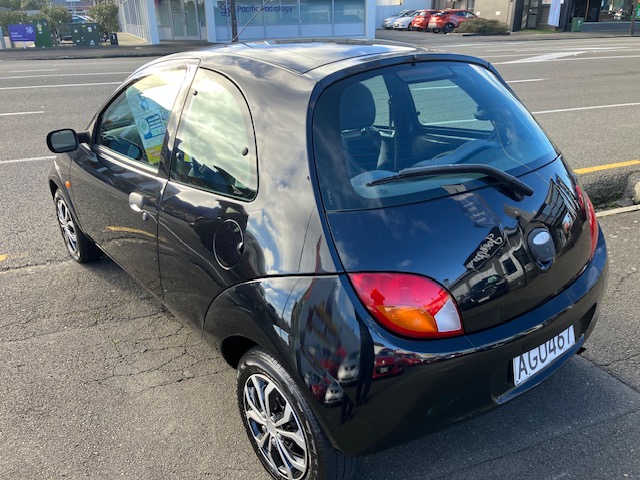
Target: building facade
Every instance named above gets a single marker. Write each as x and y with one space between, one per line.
210 20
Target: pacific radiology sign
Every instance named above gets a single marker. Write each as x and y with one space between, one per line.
225 8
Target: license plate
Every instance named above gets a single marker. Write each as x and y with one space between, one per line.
530 363
384 369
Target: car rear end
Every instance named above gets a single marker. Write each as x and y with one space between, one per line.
437 22
465 241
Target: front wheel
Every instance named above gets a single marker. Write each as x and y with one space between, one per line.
80 247
448 28
281 427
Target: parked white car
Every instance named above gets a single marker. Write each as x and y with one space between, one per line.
404 23
387 23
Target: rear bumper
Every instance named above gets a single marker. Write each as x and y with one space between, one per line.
458 377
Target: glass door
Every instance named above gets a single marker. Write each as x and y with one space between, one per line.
184 20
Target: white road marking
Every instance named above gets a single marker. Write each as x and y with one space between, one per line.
527 81
547 57
40 70
594 107
616 211
31 159
531 60
20 113
64 75
60 86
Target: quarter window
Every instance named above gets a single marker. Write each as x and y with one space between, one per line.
134 124
215 150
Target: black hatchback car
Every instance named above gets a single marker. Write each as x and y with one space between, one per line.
380 238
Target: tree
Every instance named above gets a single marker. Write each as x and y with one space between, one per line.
10 4
33 4
106 16
56 16
13 17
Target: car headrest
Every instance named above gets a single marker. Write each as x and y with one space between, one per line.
357 108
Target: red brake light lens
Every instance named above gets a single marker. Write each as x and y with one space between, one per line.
587 208
409 305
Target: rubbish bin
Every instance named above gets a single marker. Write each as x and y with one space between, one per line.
91 35
113 38
43 33
576 24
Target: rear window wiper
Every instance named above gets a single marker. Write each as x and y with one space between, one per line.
506 179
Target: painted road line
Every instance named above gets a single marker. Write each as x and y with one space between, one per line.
547 57
31 159
20 113
36 71
609 166
61 86
3 257
539 59
22 77
616 211
594 107
527 81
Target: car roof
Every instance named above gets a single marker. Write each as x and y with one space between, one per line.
306 55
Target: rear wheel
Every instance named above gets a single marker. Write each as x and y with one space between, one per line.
281 427
448 28
79 246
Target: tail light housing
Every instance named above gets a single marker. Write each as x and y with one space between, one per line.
589 211
409 305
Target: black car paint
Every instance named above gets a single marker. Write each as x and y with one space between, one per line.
301 298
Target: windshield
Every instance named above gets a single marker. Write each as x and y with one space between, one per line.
373 125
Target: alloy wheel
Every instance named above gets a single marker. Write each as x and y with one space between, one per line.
67 226
275 427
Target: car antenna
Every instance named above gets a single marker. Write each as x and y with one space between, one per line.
233 21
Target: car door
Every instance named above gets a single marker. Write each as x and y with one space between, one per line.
116 181
203 211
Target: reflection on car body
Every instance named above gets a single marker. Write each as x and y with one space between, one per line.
344 240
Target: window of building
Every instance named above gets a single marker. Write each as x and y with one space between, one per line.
349 11
316 11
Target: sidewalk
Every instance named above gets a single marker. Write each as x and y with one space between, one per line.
131 46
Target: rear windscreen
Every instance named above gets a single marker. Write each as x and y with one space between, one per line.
376 124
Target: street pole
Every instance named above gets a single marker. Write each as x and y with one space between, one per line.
234 21
634 10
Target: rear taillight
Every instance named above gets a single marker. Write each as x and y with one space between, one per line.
409 305
587 208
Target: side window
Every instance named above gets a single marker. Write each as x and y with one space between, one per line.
215 147
134 124
443 103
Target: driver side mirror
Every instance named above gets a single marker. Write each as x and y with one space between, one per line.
65 140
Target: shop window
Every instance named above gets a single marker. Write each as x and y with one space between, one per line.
284 12
245 12
349 11
316 11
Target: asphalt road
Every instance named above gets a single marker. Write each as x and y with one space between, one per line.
98 381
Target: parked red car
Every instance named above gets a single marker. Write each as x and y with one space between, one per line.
387 363
421 21
447 20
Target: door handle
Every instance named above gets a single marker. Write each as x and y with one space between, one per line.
136 203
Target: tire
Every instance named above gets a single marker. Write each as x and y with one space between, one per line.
448 28
79 246
297 448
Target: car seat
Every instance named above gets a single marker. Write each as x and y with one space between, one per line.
360 139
